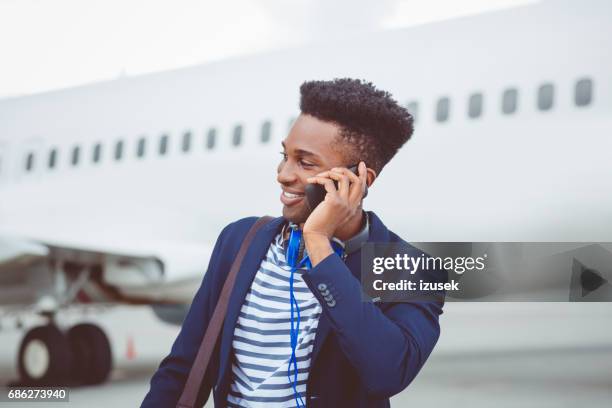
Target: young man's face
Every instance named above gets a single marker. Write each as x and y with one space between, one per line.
307 151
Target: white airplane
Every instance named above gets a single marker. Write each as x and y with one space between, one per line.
115 192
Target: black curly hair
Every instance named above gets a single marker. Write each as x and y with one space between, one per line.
371 121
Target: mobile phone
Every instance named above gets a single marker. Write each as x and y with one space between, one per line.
315 193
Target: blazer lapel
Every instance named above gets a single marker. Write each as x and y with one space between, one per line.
246 274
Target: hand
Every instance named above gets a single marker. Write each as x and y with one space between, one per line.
340 204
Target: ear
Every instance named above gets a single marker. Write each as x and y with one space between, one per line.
370 177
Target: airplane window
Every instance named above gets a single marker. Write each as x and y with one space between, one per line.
546 95
413 109
97 152
140 149
509 101
119 150
52 158
237 136
266 131
583 92
76 151
187 141
29 161
475 105
163 145
442 109
210 138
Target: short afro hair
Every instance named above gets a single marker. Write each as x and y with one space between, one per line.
370 119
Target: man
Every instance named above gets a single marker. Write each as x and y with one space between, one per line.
348 353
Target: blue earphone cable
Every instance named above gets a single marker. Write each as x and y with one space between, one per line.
294 332
292 255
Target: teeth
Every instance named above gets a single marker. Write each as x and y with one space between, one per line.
291 195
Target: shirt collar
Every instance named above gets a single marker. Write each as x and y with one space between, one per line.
351 245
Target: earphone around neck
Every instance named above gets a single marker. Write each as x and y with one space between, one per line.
296 258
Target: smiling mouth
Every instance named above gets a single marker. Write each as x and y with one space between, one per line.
291 199
292 195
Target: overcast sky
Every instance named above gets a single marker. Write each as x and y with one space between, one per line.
50 44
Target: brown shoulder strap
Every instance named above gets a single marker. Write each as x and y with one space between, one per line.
198 369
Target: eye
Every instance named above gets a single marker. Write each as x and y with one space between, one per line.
306 165
284 155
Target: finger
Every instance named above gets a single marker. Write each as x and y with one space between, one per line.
325 182
323 174
359 185
363 172
356 188
343 183
353 178
363 177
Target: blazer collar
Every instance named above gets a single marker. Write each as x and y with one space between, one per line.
351 245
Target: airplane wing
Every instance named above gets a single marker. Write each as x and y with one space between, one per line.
49 275
19 251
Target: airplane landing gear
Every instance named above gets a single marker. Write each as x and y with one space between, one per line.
45 357
92 357
48 357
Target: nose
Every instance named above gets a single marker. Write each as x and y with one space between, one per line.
286 173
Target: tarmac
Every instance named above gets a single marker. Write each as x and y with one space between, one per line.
489 354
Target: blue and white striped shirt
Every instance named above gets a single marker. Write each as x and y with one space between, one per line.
261 342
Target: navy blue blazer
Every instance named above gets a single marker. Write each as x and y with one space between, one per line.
363 353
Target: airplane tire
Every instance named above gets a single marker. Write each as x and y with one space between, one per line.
44 357
91 349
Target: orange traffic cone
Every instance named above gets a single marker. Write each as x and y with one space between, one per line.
130 353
